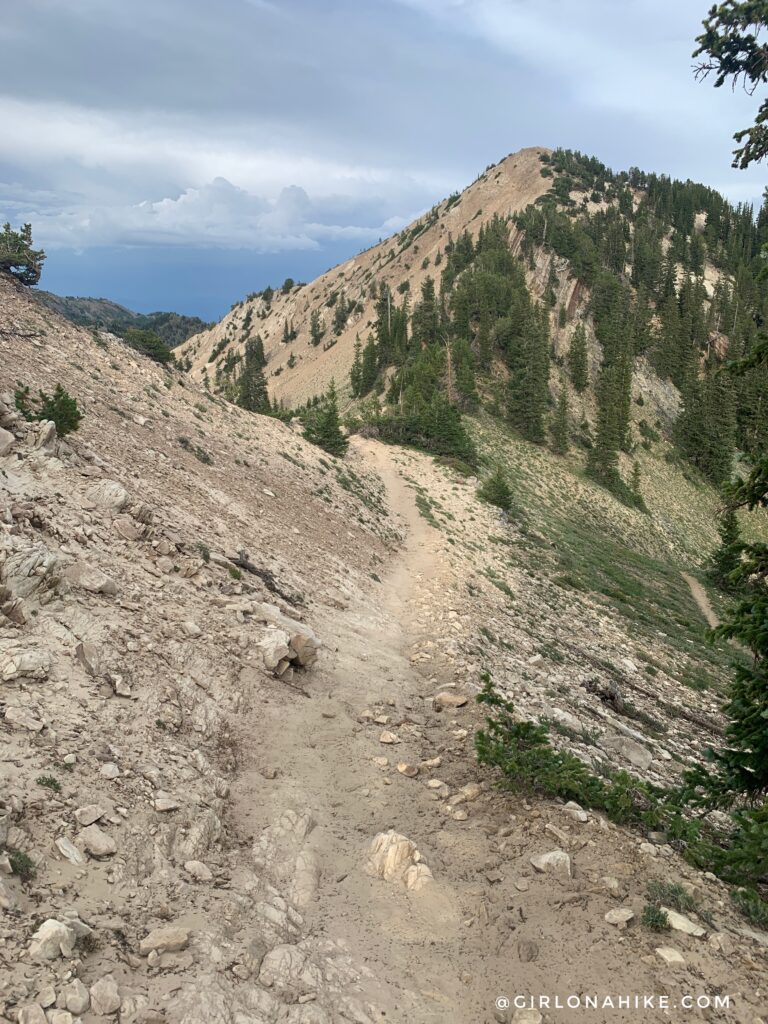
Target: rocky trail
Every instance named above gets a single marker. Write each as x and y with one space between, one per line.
444 899
238 797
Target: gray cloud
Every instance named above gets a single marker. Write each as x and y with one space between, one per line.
300 124
218 215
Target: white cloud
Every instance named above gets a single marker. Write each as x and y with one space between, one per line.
217 214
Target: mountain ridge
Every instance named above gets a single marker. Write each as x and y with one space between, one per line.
105 314
318 365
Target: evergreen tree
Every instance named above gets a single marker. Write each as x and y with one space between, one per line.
726 559
560 444
340 314
370 367
316 329
577 359
464 374
529 384
495 490
323 426
705 429
17 257
356 372
252 391
425 320
603 459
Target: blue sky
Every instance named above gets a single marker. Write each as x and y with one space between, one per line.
178 154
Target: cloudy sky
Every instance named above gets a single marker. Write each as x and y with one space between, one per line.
176 154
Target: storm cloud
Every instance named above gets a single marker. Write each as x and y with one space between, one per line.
311 127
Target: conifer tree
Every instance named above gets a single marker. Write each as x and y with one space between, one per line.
529 384
17 257
603 459
577 359
425 320
496 491
252 391
560 443
316 329
726 558
369 369
323 426
356 371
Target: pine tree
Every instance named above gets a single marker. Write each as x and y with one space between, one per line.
577 359
560 444
323 426
603 459
425 320
705 429
529 384
495 490
252 391
726 558
17 257
356 371
464 373
316 329
370 367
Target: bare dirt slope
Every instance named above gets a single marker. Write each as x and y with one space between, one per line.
401 261
195 828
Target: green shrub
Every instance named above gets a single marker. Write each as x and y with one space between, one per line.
49 782
670 894
60 408
495 490
655 918
752 906
21 865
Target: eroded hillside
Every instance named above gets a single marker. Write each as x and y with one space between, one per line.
197 827
401 262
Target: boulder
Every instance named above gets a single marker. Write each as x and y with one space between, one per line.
26 664
107 494
88 577
556 862
620 916
635 753
7 441
199 871
46 434
681 923
52 939
105 998
89 657
75 997
69 851
97 842
32 1013
448 699
671 957
168 939
89 813
275 648
23 719
395 858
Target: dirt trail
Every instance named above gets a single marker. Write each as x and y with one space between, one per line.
488 926
410 942
702 600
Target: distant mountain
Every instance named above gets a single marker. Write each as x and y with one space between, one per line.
172 328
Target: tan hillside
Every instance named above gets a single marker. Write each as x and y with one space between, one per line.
505 188
237 718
